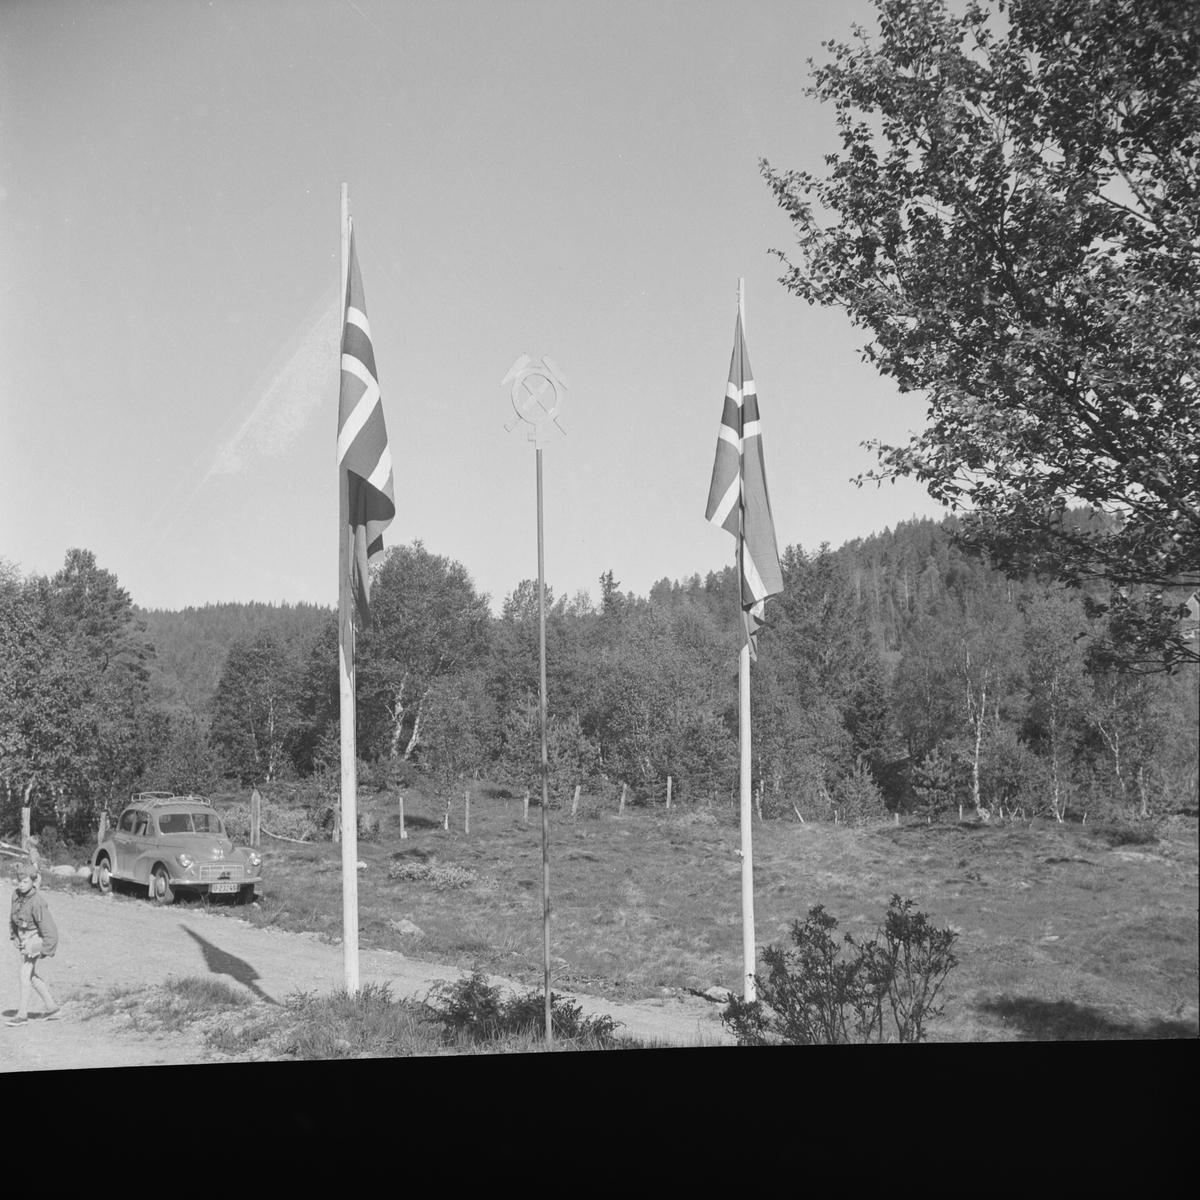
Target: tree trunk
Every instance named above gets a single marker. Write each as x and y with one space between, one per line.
1113 742
414 741
1058 813
978 750
396 712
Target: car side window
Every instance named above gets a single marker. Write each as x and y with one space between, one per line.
126 825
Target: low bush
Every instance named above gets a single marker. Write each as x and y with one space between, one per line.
53 849
286 820
473 1010
1127 833
439 876
826 992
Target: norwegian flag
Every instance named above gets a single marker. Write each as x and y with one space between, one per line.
737 498
362 445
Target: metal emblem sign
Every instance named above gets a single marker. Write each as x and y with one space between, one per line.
537 395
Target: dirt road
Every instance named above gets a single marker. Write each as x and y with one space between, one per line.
108 943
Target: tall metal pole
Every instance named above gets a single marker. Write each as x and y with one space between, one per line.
349 794
748 961
545 759
531 408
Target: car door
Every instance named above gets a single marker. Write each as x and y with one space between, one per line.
141 845
122 840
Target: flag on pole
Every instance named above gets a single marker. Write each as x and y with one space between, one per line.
362 445
737 498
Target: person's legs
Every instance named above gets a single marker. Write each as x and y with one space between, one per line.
39 986
26 976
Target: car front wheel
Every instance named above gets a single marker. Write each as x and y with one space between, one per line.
104 877
161 891
246 894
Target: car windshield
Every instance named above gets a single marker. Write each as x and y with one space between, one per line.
189 822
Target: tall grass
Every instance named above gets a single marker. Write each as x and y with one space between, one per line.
647 905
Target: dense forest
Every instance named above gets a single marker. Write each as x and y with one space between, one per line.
896 673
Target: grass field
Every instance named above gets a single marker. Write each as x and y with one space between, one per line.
1065 931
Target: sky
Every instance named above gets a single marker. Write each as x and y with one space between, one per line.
576 180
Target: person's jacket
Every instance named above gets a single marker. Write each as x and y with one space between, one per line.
31 914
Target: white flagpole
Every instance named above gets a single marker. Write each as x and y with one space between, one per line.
748 960
349 805
545 764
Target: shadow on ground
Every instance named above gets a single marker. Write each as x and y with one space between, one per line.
416 822
1065 1021
220 962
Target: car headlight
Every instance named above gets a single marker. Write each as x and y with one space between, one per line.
185 860
254 858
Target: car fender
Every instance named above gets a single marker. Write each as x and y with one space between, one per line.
108 852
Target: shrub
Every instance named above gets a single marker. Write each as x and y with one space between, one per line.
473 1010
826 992
911 964
400 774
286 820
1124 833
440 876
53 850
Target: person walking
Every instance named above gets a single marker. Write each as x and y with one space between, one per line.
34 934
29 847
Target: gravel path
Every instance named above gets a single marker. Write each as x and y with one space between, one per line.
108 943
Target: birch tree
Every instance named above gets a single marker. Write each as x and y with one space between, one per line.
255 718
1014 218
428 622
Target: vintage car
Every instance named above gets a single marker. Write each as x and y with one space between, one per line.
171 843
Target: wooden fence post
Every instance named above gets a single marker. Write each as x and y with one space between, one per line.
255 817
525 808
668 793
24 826
103 832
467 816
621 810
403 831
575 803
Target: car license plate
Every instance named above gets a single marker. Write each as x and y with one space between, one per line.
223 887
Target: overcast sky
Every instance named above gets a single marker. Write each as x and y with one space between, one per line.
572 179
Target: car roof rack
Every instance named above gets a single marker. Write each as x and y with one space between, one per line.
156 799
